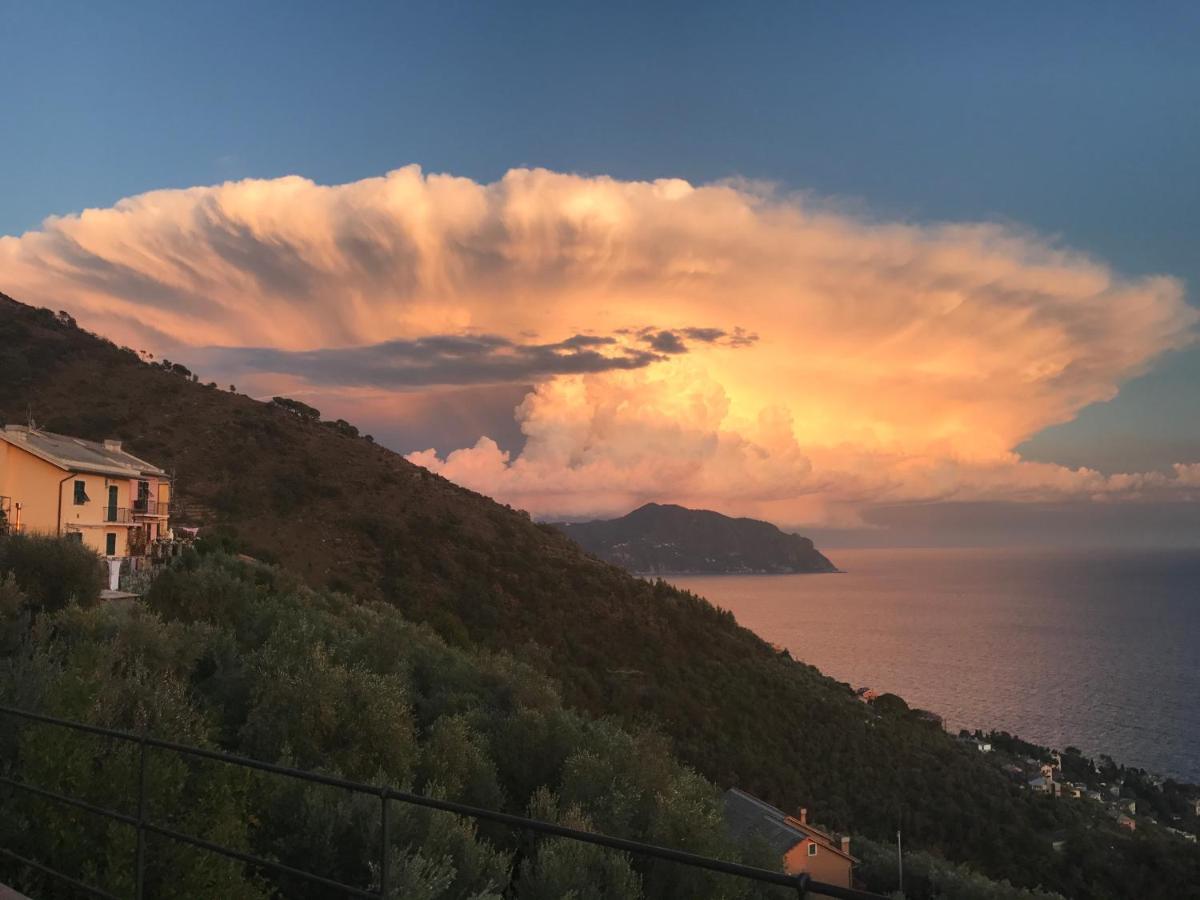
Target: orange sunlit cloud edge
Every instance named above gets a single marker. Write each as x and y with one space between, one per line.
879 362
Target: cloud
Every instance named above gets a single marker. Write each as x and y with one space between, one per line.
802 364
435 360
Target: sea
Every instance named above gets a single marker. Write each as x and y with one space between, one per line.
1095 649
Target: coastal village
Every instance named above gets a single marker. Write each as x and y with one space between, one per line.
1130 797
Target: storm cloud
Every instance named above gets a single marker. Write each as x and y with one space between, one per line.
721 345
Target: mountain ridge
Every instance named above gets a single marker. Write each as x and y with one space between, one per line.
669 539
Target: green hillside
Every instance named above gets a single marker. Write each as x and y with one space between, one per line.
344 513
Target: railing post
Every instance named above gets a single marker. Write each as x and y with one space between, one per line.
140 884
802 881
385 849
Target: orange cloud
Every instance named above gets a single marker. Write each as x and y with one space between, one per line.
893 362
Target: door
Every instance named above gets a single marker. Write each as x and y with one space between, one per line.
110 544
112 504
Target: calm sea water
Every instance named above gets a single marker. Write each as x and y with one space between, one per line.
1096 649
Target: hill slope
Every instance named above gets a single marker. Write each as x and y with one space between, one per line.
664 539
344 512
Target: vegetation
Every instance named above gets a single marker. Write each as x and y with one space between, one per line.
53 572
344 513
242 657
927 877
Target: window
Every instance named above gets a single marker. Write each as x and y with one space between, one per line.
110 544
812 849
81 496
76 536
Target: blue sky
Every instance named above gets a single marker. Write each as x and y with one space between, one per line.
1075 119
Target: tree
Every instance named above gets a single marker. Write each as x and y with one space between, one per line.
52 571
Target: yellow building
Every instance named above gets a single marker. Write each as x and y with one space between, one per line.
93 492
801 847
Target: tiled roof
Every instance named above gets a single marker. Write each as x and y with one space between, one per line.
747 818
77 455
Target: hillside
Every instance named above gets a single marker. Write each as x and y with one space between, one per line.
345 513
664 539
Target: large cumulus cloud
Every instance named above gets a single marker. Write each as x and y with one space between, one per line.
719 344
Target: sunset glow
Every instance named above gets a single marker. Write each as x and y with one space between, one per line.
722 345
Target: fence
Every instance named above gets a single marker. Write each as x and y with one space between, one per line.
802 884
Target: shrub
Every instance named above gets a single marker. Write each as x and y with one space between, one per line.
53 572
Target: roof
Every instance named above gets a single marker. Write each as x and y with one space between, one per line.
749 818
74 454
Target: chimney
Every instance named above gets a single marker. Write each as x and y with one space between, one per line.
802 815
114 446
846 845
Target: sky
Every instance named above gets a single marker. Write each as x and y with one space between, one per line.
883 273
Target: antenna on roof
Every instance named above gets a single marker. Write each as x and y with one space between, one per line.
29 418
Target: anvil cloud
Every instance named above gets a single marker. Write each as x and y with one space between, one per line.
720 345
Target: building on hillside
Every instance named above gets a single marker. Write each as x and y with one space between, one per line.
1041 784
1123 821
89 491
802 847
977 742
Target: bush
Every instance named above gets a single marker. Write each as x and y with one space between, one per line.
52 572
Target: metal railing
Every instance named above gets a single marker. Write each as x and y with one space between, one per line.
801 884
146 506
118 514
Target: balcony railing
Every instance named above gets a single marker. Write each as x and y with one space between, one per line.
145 506
117 514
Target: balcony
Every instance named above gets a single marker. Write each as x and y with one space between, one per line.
118 515
145 506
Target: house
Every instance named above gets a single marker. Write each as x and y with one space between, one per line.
1044 785
800 845
1125 822
89 491
866 695
1093 795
